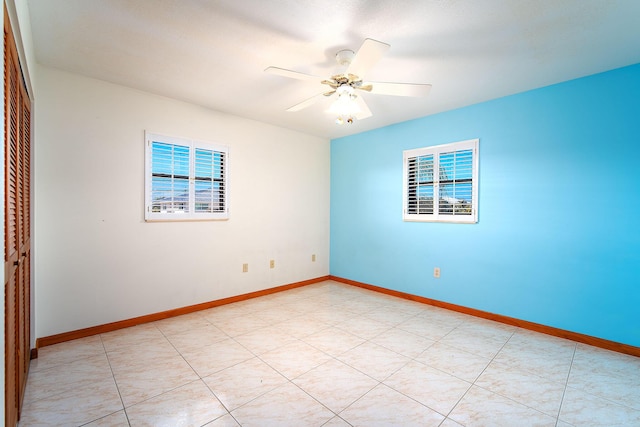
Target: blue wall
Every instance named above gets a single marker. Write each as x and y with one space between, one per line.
558 237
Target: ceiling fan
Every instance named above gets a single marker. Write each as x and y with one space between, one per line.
348 105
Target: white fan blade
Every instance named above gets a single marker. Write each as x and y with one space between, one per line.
368 55
364 109
399 89
292 74
305 103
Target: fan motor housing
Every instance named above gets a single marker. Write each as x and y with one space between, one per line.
345 56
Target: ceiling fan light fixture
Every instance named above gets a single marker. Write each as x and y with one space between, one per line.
342 120
345 107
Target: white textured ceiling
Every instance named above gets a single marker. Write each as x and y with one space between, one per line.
213 52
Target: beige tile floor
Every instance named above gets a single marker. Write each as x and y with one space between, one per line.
330 355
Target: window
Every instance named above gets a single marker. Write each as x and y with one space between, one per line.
185 179
441 183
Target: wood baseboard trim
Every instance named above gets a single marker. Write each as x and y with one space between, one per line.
536 327
109 327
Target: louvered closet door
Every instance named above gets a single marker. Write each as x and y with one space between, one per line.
24 284
17 229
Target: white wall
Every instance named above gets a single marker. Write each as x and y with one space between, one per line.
97 261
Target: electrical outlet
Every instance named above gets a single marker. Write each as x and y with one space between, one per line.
436 272
272 264
245 268
313 258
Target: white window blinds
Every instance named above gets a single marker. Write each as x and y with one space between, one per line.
441 183
185 179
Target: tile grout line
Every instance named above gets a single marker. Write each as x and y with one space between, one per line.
396 326
200 378
288 380
160 394
331 357
566 384
257 356
113 376
479 375
382 382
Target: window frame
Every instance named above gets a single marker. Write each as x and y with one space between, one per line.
437 151
193 146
